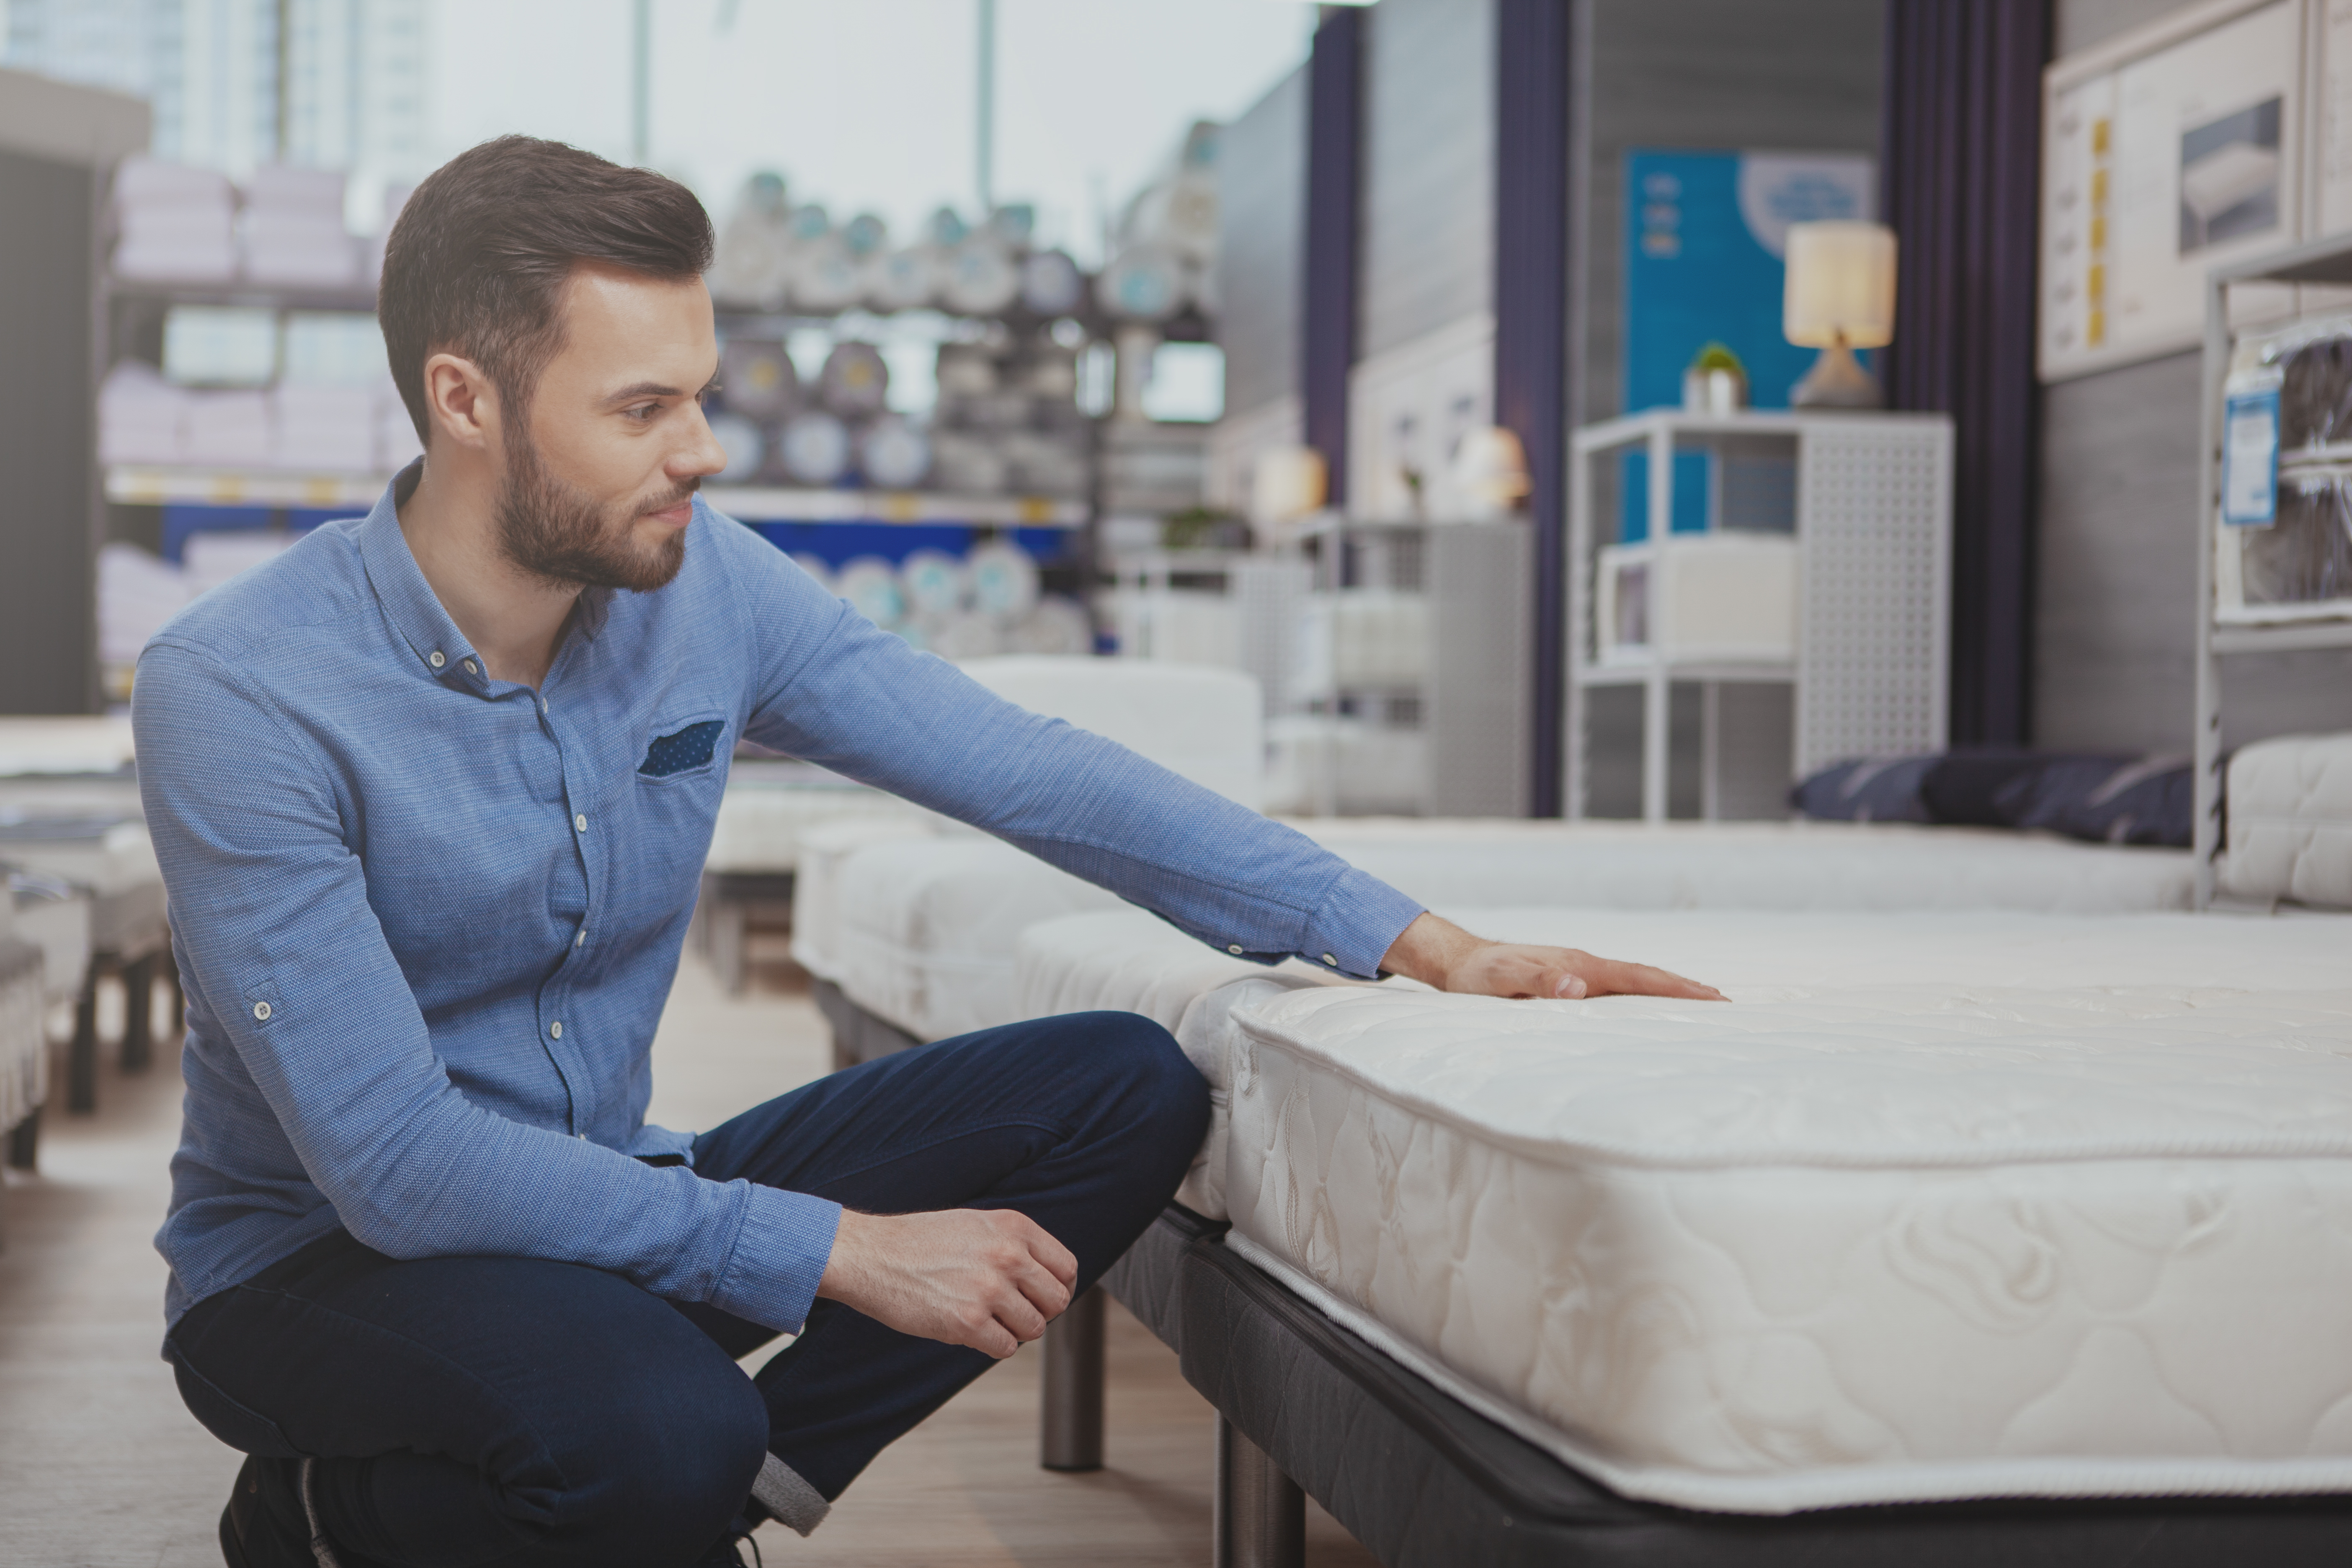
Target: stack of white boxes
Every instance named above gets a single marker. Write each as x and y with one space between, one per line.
324 428
229 430
173 224
293 232
396 445
141 417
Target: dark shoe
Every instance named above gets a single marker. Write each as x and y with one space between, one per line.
268 1522
728 1551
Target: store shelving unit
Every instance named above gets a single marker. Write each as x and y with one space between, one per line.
130 314
1448 721
2222 633
131 484
139 484
1871 528
783 504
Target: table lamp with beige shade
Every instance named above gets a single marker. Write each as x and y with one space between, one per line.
1840 297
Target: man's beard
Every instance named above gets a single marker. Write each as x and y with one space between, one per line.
553 531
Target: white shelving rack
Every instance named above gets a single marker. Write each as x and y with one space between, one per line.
2220 633
1869 659
1413 637
135 484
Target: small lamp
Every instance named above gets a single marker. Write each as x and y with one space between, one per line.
1287 483
1490 473
1841 298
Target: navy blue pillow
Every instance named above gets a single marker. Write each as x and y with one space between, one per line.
1866 789
1991 786
2132 800
689 747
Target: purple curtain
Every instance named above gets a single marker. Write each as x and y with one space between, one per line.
1960 154
1531 286
1334 140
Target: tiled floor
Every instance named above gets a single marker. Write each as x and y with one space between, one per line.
101 1467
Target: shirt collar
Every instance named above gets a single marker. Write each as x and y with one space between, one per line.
416 611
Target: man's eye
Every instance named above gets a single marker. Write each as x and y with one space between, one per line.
643 413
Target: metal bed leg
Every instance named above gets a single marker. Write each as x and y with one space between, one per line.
1261 1514
25 1141
138 1015
1072 1403
729 931
81 1056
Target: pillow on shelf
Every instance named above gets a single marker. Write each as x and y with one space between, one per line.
2102 798
1989 786
2134 800
1867 789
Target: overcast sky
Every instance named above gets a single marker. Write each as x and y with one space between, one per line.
869 104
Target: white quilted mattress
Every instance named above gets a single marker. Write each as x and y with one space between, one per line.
1937 1206
2290 809
24 1036
60 929
1827 865
922 932
766 814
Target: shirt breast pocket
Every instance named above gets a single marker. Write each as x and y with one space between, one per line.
682 752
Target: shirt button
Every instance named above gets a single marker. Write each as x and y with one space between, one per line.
556 1029
579 823
1235 949
261 1011
435 658
542 708
473 669
581 938
1331 960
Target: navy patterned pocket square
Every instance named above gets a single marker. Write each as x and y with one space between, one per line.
689 747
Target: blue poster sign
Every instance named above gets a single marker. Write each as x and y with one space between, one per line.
1704 238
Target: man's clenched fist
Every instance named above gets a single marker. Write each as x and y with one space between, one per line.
990 1279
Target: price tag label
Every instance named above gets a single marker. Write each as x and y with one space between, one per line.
2249 445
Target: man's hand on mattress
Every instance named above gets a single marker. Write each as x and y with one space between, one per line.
990 1279
1439 953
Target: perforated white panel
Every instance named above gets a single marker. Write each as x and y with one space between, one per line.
1271 598
1873 497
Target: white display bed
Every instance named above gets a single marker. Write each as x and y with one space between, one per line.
2290 822
1937 1206
769 810
920 930
909 920
69 810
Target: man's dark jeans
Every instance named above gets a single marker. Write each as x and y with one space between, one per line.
489 1412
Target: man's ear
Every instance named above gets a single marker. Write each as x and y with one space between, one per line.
460 401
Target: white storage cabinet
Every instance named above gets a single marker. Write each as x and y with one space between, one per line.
1836 582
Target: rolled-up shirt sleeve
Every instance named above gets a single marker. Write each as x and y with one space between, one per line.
270 910
836 690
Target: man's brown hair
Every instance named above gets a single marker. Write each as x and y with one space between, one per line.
476 262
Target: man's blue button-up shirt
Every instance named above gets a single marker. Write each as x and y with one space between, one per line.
427 919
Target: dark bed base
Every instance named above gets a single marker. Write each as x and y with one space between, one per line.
1306 1406
1423 1480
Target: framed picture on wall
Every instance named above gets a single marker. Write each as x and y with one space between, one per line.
2165 151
